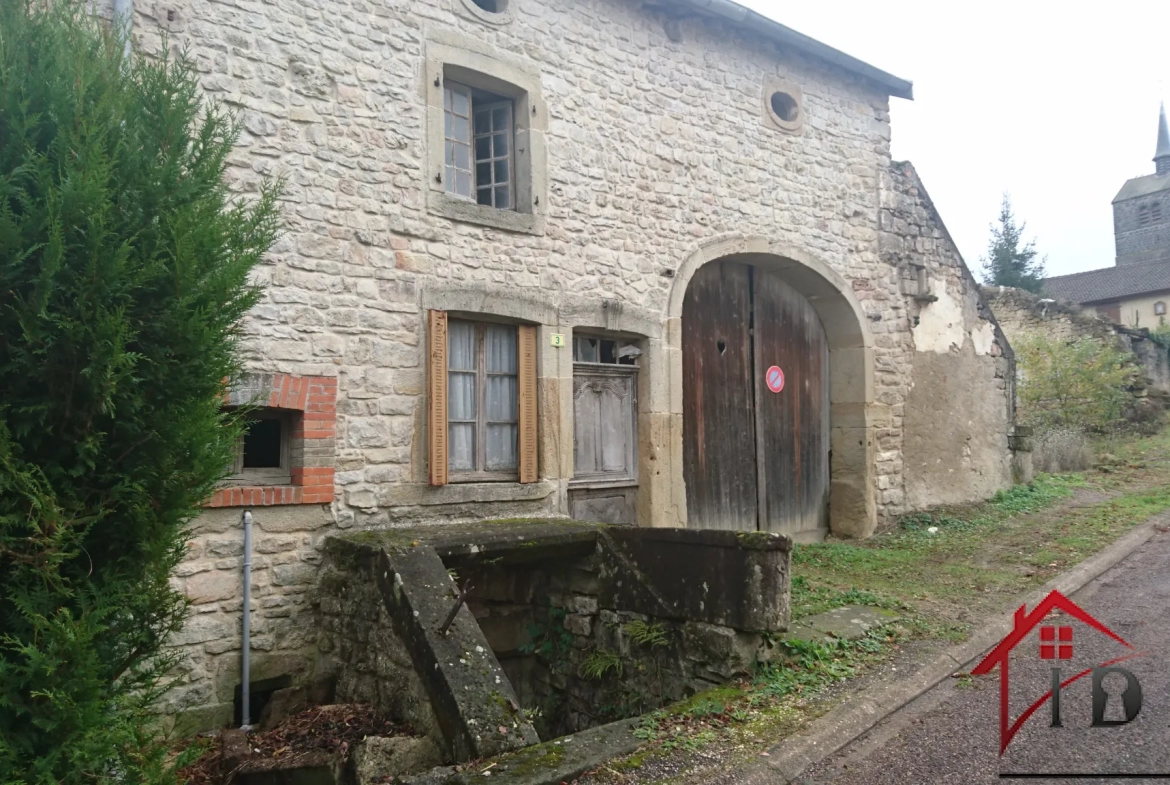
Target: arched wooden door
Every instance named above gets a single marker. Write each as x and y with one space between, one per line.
755 445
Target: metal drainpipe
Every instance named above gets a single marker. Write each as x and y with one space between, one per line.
246 643
124 17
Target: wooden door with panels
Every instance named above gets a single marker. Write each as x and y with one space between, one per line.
605 430
755 404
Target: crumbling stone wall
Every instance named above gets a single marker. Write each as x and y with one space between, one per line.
960 409
1022 313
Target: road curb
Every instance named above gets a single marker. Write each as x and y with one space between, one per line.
849 720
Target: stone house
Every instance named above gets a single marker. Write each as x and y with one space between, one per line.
641 262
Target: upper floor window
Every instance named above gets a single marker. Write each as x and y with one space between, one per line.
478 145
485 135
1156 212
1144 215
1159 308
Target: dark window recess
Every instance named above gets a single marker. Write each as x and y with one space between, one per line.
262 447
785 106
259 693
590 349
491 6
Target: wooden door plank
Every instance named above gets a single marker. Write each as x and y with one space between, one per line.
719 443
793 424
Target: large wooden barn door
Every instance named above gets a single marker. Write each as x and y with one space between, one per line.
719 425
755 448
793 424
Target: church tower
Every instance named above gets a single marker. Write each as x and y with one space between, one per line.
1141 209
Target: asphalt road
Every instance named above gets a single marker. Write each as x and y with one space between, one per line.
951 734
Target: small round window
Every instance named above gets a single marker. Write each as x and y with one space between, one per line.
494 12
785 106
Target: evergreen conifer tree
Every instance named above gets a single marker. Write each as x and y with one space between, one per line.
124 274
1008 263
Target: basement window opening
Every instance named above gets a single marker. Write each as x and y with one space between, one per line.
492 6
263 455
259 694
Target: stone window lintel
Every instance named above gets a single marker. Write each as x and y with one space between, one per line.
469 62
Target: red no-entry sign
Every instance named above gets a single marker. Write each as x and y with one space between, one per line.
775 379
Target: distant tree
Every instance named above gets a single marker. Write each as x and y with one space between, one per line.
124 274
1008 263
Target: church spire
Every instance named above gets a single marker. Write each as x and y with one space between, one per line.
1162 154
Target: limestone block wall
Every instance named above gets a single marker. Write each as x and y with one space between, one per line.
285 557
960 410
654 146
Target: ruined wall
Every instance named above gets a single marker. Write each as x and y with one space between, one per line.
960 410
1022 313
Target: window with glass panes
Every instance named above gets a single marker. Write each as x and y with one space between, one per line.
483 399
478 146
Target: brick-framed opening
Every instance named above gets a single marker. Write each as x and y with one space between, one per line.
312 401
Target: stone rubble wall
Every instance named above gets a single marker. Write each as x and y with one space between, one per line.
1023 313
286 554
654 147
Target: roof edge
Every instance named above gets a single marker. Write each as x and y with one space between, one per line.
728 9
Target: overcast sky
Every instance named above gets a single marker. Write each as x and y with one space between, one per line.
1053 103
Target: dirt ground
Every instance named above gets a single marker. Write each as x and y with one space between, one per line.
944 572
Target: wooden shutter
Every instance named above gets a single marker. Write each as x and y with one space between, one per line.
529 463
437 422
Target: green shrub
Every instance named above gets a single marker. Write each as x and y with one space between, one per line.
1072 384
124 269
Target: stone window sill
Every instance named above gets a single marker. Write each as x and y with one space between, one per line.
602 483
464 493
441 203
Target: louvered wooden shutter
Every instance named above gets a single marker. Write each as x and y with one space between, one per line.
437 422
529 460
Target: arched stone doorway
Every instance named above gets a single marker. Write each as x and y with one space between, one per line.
775 305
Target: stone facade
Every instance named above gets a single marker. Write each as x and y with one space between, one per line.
1141 228
651 149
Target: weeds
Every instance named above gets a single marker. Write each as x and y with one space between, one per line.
643 634
598 663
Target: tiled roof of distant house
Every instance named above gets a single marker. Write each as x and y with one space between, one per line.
1110 283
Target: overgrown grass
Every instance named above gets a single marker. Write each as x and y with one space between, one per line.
943 571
